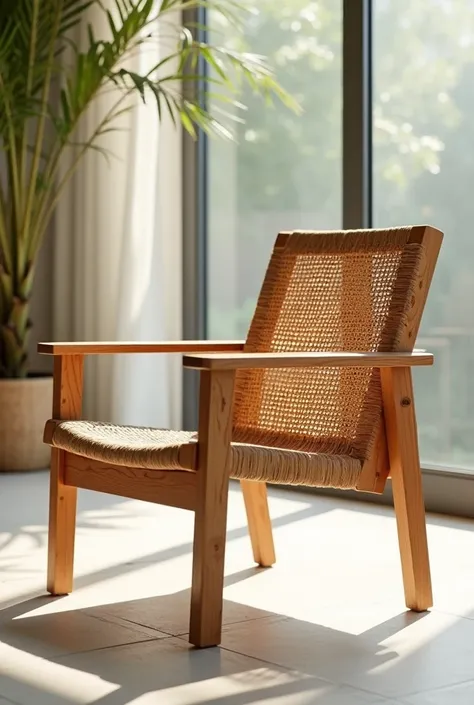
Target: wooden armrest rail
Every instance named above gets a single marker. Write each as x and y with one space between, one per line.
232 361
109 348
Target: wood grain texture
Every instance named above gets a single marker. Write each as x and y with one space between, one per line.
259 521
240 361
431 240
171 487
407 488
109 348
67 404
215 432
375 470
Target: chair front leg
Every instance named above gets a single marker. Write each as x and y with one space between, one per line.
214 453
67 404
407 488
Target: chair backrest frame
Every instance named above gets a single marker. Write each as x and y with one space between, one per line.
345 275
376 470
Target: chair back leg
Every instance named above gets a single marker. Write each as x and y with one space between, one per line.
400 420
260 525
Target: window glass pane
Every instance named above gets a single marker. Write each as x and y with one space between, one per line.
284 171
424 173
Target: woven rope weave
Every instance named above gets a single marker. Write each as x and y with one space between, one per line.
156 449
328 291
324 291
133 446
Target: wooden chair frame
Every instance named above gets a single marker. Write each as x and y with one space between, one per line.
205 491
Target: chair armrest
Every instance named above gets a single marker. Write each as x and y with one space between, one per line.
232 361
109 348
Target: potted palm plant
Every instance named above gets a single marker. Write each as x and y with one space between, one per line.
47 82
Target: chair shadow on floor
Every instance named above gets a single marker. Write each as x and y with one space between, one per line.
159 657
106 507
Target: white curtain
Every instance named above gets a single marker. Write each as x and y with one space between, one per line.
117 268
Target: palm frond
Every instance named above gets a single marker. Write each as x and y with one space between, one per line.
48 81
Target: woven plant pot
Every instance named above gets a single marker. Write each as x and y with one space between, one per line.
25 406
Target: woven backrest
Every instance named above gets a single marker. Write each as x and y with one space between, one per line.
326 291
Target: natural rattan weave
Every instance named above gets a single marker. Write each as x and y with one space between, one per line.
323 291
327 291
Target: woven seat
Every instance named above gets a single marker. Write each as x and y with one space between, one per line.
320 394
156 449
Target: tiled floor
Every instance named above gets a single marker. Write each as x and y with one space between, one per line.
326 625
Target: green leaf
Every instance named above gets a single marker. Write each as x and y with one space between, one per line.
188 123
47 83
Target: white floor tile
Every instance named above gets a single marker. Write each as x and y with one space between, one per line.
461 694
170 613
326 625
69 632
408 653
171 672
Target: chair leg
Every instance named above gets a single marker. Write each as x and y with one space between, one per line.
62 527
258 518
215 429
67 403
208 574
407 487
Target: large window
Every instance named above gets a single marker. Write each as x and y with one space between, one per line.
405 103
423 172
285 170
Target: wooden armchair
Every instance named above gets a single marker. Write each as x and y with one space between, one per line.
320 395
